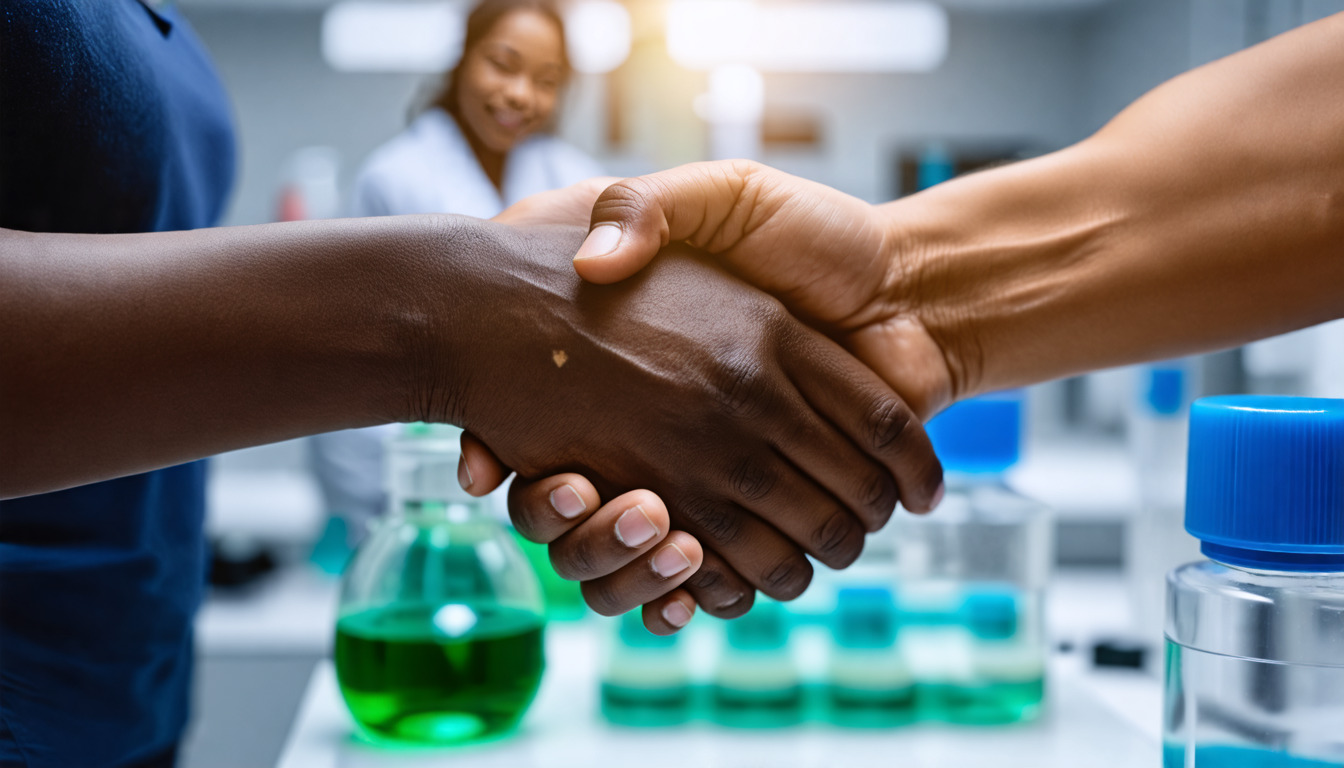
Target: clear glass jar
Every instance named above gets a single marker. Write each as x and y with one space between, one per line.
1255 638
645 681
1255 668
440 632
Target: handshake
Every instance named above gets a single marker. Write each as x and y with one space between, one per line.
753 394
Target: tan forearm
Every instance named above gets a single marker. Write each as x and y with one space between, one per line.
1208 214
128 352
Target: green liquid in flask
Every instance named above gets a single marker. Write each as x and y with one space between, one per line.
405 678
988 703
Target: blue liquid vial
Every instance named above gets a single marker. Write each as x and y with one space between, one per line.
756 684
646 682
870 683
1255 634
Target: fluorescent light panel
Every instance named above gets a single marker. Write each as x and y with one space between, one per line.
818 36
426 37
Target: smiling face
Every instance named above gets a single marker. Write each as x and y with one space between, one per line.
508 82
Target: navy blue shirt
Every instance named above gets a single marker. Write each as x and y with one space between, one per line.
112 119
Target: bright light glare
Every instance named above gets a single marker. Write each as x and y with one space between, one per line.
426 37
367 36
598 33
736 95
830 36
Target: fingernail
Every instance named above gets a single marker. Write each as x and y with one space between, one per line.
937 497
601 241
676 614
567 502
634 527
670 561
463 473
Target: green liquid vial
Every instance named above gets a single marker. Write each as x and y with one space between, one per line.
870 684
440 635
757 684
1007 682
405 675
645 683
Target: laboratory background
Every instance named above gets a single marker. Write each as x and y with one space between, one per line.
1022 623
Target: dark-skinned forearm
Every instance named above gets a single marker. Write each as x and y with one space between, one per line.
1208 214
123 353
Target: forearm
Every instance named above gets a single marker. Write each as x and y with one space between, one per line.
127 352
1208 214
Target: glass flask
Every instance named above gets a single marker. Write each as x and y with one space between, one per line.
1255 634
439 636
972 575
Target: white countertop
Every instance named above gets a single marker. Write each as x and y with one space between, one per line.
1102 720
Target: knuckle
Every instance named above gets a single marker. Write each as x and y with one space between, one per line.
751 480
602 598
880 493
720 523
742 386
887 421
788 579
708 579
622 201
838 540
574 560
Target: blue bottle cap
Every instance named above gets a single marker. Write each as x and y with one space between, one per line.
764 628
990 614
981 435
1266 481
1164 388
865 617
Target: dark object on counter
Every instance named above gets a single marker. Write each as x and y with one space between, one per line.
236 561
1125 654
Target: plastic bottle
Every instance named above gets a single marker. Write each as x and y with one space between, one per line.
645 682
870 683
973 574
756 684
1255 634
1155 539
440 634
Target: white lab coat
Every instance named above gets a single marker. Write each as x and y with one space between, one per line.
428 168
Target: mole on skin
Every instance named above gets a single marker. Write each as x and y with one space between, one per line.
560 358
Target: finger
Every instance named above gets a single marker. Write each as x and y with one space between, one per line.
719 589
569 205
479 471
543 510
650 576
612 537
863 407
764 557
798 507
669 613
707 204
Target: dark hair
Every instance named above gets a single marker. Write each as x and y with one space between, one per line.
480 21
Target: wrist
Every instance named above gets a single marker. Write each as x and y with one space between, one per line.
991 266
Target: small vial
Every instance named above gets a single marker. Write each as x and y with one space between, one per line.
1007 676
1255 634
646 682
972 574
870 683
757 684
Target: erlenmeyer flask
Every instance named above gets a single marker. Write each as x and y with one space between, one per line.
440 631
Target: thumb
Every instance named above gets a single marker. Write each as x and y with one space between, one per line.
633 219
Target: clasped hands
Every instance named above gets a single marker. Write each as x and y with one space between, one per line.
713 428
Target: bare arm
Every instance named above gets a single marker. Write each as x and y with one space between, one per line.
122 353
1208 214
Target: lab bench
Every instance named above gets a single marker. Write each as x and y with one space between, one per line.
1097 718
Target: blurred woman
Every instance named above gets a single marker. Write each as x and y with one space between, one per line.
482 144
